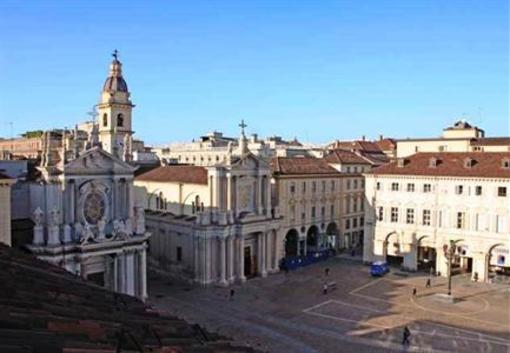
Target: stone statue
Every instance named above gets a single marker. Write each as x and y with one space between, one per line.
128 227
78 231
94 136
101 224
88 234
118 228
127 148
38 216
54 217
140 220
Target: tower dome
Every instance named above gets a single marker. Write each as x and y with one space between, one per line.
115 82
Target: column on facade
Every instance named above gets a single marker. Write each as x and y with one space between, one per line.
218 192
115 280
269 253
441 262
268 195
223 260
130 273
121 273
143 274
276 251
259 194
236 199
229 192
480 270
230 257
196 257
410 257
131 200
262 254
240 265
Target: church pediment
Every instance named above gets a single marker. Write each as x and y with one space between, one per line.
249 161
97 161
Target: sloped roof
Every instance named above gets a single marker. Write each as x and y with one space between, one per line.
47 309
356 145
386 144
345 157
485 164
491 141
176 174
301 165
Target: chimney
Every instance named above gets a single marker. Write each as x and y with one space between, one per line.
363 138
401 162
433 162
381 137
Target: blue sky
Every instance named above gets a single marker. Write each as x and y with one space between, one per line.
318 70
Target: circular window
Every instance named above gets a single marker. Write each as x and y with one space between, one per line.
94 207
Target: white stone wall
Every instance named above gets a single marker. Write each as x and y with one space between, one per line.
485 223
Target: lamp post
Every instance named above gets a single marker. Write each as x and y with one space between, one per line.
449 252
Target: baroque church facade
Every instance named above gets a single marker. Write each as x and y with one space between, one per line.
83 206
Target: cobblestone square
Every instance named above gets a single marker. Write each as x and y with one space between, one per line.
290 313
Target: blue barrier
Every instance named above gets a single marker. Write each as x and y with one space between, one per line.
294 262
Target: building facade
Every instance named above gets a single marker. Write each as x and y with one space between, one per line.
216 224
417 205
81 203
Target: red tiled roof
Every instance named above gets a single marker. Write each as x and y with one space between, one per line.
386 144
357 145
485 164
301 165
345 157
491 141
176 173
47 309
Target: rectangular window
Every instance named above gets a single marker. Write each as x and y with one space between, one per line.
323 211
394 214
304 187
354 223
354 205
332 185
324 186
410 187
426 217
427 188
459 189
292 188
378 185
292 213
362 205
361 221
501 224
314 186
461 220
478 190
179 254
362 183
502 191
313 212
348 169
348 205
394 186
380 214
332 210
303 215
355 186
347 224
348 184
410 216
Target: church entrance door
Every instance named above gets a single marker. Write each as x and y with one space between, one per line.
248 262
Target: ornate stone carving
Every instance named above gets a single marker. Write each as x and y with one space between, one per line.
101 224
140 220
38 216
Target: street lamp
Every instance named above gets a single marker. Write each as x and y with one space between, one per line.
449 252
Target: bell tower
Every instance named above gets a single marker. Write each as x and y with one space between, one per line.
114 113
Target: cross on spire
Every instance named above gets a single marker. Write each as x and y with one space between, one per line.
242 125
115 54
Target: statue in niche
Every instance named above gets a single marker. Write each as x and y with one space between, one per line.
101 224
38 216
54 217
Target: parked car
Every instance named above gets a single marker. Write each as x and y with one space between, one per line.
379 268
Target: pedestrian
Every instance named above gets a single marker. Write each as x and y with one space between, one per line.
405 336
326 271
325 289
232 292
414 292
428 283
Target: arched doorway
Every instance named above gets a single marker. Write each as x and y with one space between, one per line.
426 254
332 235
392 250
291 243
498 263
312 237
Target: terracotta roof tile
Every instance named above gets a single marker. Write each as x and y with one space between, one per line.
345 157
301 165
176 173
485 164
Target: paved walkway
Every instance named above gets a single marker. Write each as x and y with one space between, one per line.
289 313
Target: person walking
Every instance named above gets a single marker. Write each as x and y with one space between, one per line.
326 271
232 292
325 289
428 283
414 292
405 336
